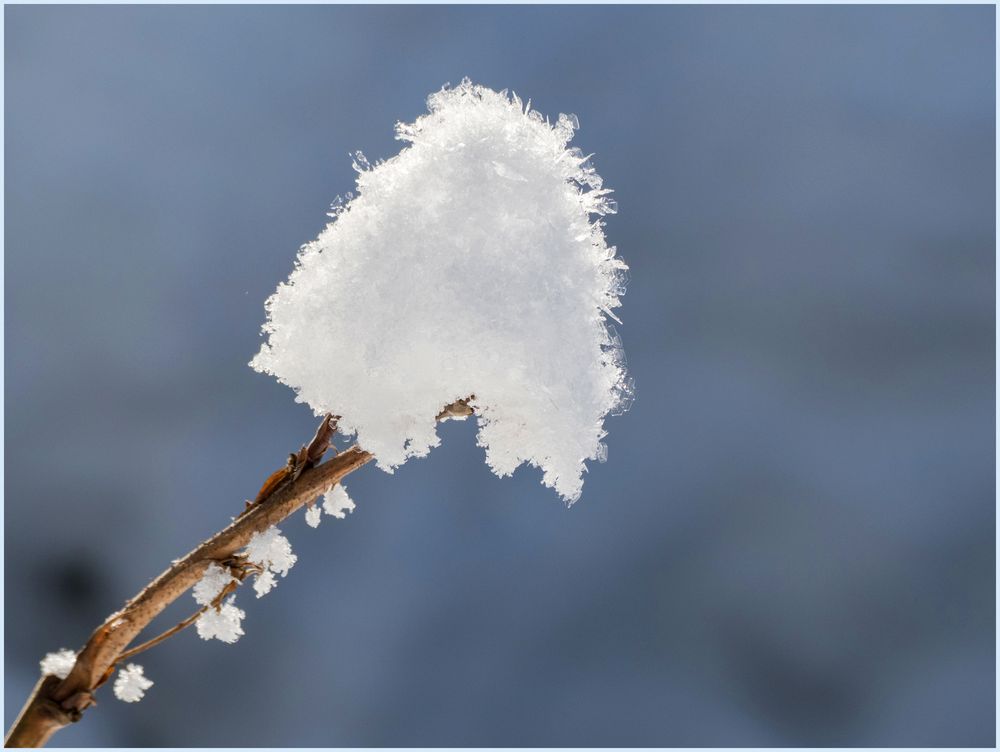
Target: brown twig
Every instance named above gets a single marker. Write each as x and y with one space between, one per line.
55 703
458 410
230 587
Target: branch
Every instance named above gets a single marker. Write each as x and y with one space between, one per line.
55 703
178 627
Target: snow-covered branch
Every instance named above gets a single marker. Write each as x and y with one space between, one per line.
470 275
57 701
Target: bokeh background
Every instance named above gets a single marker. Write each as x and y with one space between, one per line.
792 542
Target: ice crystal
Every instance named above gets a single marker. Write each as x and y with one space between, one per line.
59 663
131 684
264 583
271 550
313 515
211 584
474 262
223 623
337 503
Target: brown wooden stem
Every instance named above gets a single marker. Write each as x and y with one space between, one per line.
179 626
55 703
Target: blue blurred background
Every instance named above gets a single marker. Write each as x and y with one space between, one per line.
792 542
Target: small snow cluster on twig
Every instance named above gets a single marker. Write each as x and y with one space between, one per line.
313 515
211 584
59 663
474 262
224 622
271 551
131 684
336 503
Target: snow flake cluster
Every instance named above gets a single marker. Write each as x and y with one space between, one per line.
313 515
211 584
131 684
336 503
474 262
225 621
264 583
59 663
271 551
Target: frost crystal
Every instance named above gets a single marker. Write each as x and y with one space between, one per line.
130 684
313 515
271 550
59 663
211 584
473 262
223 623
337 503
264 583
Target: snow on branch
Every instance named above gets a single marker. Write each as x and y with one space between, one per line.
473 262
470 275
59 663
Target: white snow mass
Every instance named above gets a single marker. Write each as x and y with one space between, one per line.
211 584
337 503
313 515
474 262
223 623
59 663
264 583
130 684
271 550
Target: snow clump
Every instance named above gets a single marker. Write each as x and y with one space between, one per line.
211 584
271 551
337 503
131 684
474 262
59 663
224 623
313 515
